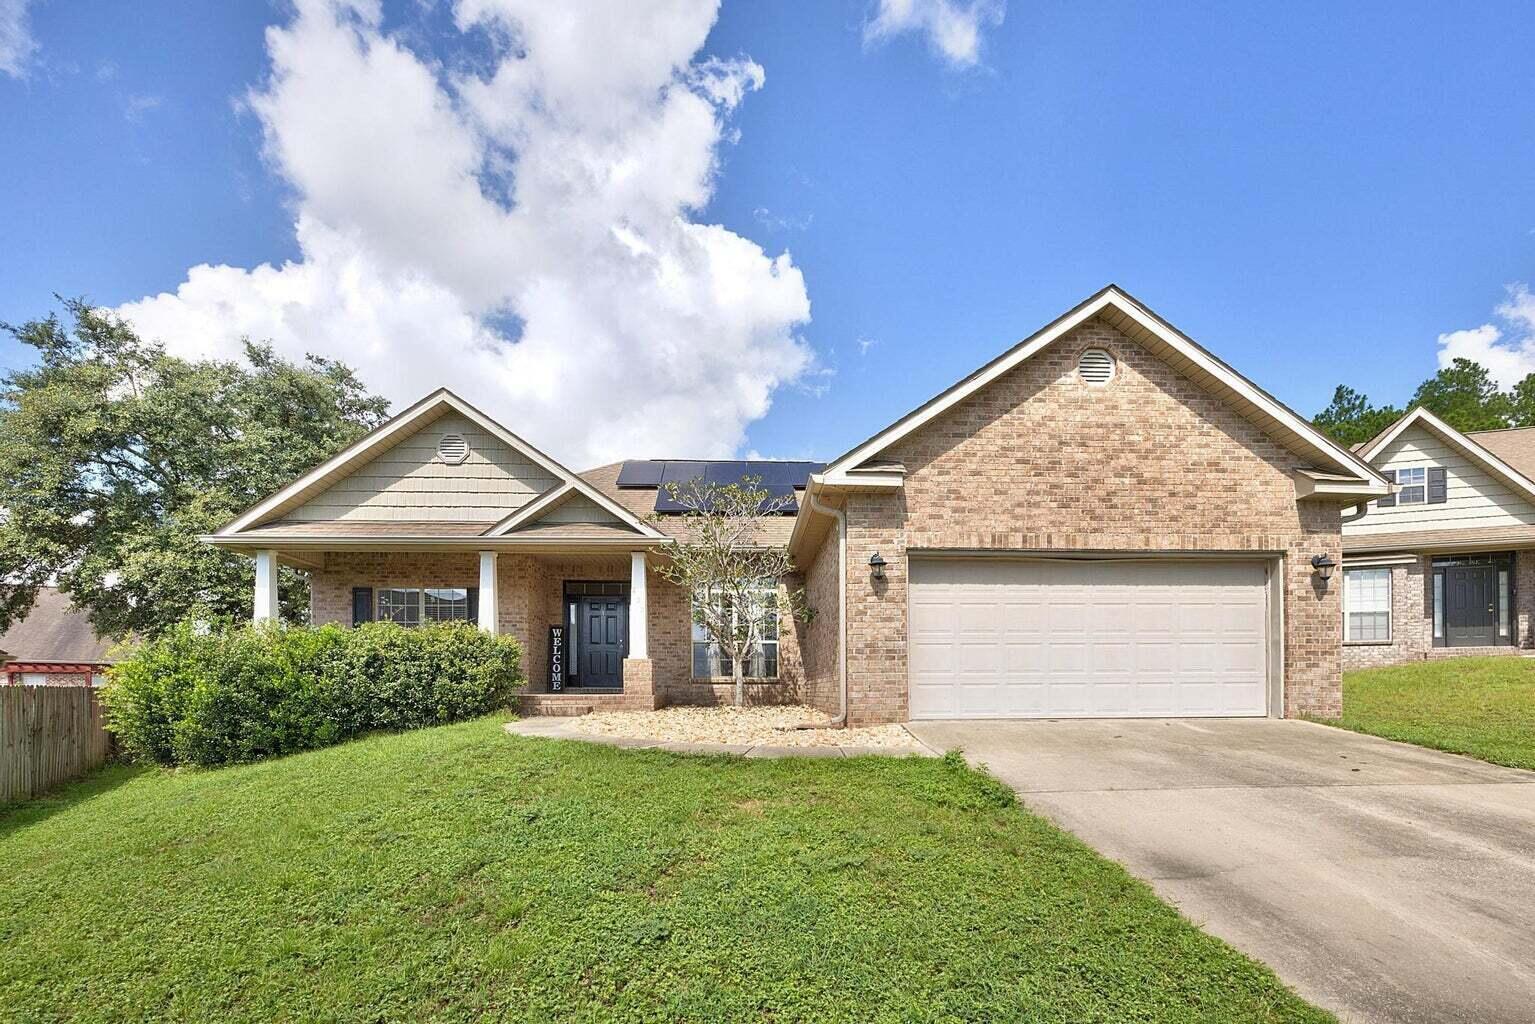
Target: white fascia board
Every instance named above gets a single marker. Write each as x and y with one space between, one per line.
238 542
864 481
399 424
1468 447
1307 487
537 507
1119 300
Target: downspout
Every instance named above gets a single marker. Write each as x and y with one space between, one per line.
841 518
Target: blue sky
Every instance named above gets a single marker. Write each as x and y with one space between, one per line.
1317 192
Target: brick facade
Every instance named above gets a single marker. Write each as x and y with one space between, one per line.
1412 618
1038 461
531 594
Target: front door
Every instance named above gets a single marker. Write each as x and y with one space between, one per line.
1471 599
603 640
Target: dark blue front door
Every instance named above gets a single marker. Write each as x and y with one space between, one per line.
603 638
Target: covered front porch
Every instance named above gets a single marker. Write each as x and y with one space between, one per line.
599 628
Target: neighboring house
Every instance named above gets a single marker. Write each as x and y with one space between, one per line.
1106 520
54 645
1446 565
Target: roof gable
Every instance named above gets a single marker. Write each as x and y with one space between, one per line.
1135 321
397 432
1421 419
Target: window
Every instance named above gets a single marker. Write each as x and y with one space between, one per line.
1414 486
411 606
1367 606
1438 605
709 661
1503 605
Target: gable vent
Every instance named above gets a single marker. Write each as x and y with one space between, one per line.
452 449
1095 366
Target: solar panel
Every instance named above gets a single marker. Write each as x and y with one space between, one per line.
678 471
775 496
640 473
726 472
790 474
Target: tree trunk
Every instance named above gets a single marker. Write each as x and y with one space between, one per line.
737 672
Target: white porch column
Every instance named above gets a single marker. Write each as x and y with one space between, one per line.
266 587
488 602
639 612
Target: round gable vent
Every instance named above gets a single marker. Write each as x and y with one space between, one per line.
452 449
1095 366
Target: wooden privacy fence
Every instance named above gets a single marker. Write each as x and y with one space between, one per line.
48 735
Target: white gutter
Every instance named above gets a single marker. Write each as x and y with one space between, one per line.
841 720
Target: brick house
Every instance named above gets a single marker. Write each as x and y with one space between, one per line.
1445 565
54 645
1104 521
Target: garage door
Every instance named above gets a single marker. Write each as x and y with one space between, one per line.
1003 638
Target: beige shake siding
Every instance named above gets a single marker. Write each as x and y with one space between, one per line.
1474 498
408 482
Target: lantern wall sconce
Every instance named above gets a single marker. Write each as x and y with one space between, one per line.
1323 566
876 566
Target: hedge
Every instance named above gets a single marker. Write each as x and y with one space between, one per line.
193 697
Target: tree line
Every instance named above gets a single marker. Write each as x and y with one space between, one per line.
1462 394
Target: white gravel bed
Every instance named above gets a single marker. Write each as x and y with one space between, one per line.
767 725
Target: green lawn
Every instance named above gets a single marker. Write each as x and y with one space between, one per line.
462 874
1484 707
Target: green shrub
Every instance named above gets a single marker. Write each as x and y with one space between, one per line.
242 694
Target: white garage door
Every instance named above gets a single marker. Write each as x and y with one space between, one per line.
1003 638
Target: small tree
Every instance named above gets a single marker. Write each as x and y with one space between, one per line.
723 561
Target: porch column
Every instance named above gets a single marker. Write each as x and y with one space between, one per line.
638 610
266 587
488 602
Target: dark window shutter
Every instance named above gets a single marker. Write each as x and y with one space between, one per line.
474 604
1438 488
362 605
1387 500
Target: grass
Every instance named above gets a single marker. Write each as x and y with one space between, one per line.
1484 707
461 874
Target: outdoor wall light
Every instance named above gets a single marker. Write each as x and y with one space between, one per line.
876 566
1323 566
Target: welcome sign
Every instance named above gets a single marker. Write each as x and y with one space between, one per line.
556 658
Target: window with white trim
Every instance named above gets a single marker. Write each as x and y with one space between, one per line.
1367 606
710 662
1414 486
411 606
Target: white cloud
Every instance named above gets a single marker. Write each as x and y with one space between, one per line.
953 28
16 42
139 104
556 189
1508 351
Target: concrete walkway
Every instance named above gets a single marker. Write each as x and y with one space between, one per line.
1383 881
563 729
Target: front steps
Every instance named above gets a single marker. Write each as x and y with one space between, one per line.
570 703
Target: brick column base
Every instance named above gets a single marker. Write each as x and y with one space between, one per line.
640 684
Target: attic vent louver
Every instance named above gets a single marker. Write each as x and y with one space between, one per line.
452 449
1095 366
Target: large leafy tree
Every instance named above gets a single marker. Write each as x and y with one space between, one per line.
115 455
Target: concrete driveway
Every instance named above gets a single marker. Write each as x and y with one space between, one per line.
1383 881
